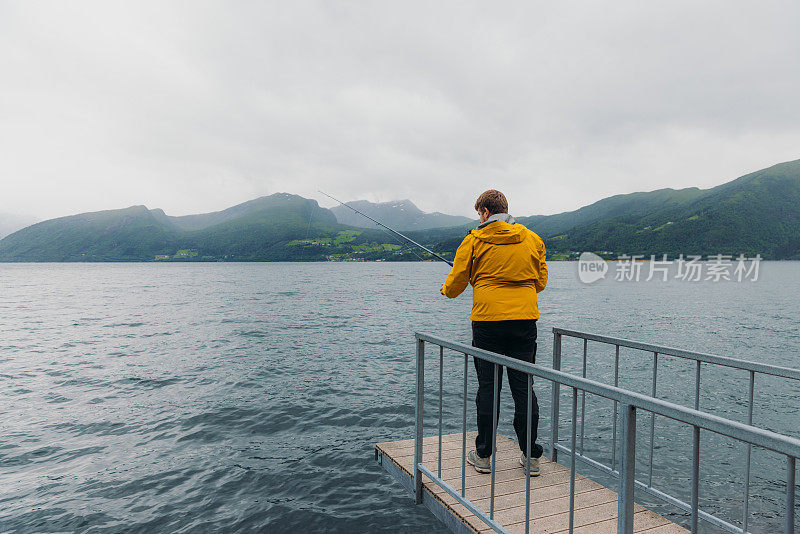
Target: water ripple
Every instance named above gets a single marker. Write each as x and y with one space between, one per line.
254 404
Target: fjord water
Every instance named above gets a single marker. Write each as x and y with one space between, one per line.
248 397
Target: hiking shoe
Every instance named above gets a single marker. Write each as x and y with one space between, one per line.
534 464
481 465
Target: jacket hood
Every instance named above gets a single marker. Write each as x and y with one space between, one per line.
500 233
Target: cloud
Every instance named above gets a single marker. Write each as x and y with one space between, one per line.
194 106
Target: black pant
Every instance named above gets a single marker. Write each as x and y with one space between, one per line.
516 339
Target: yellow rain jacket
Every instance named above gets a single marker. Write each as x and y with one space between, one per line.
505 263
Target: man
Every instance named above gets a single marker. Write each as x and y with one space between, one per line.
505 263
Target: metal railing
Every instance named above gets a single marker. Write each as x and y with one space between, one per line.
699 358
630 403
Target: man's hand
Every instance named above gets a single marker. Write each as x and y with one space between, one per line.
441 289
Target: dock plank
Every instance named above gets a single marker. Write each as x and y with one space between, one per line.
595 505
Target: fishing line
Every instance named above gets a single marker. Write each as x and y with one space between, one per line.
404 247
429 251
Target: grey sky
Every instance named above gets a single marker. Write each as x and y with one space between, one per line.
194 106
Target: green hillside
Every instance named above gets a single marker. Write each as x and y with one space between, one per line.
549 226
757 213
630 205
280 227
115 235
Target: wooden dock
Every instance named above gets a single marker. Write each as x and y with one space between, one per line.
595 505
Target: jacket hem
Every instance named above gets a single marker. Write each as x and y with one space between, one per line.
502 317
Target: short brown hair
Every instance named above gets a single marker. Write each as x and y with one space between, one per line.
493 200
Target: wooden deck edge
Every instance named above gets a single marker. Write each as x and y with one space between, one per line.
449 517
398 467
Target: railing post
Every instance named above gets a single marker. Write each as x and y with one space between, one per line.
583 395
418 434
790 482
528 456
653 419
748 460
573 452
441 373
556 397
695 479
627 470
464 435
495 407
616 409
697 386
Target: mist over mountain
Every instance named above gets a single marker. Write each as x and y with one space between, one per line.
402 215
10 223
758 213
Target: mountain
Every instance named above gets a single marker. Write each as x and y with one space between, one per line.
204 220
758 213
119 235
260 229
631 204
279 227
137 233
402 215
10 223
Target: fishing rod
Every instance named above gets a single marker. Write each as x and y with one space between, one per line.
429 251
